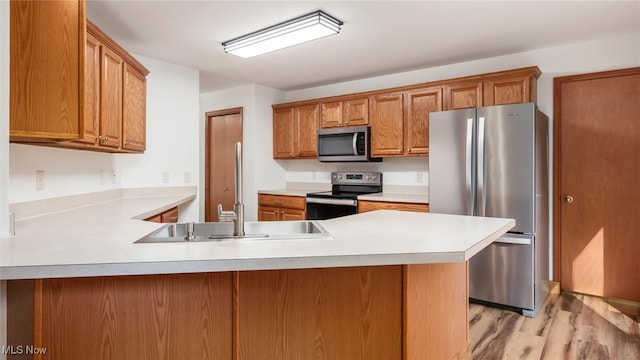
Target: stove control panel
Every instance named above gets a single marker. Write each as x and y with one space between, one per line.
356 178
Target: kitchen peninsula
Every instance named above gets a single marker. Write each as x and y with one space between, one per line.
388 284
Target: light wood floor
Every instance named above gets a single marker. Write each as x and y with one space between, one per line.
568 326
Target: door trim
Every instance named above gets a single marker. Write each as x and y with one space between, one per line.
557 158
207 150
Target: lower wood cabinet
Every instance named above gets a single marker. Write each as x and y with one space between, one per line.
281 207
368 312
169 216
367 205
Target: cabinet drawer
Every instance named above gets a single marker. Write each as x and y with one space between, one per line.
364 206
292 202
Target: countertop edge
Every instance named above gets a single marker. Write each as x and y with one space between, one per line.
202 266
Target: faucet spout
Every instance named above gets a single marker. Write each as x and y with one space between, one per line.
237 215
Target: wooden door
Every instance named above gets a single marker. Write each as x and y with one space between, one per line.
356 112
387 130
597 203
419 104
45 69
223 131
175 316
463 96
331 114
283 132
306 125
91 121
510 90
134 112
111 98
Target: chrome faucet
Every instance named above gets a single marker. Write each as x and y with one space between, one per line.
237 215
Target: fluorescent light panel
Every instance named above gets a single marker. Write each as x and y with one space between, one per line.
305 28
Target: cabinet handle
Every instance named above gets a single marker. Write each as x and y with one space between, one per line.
126 142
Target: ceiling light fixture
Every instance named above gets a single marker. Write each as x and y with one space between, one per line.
296 31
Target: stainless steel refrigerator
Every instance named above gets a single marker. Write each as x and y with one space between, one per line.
492 161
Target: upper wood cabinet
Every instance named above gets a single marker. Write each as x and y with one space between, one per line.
99 102
399 117
510 90
463 95
110 99
352 112
400 122
47 40
115 105
387 119
295 131
419 103
283 130
134 109
306 124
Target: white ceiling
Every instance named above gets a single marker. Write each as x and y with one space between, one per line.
377 38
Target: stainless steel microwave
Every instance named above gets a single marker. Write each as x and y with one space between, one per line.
345 144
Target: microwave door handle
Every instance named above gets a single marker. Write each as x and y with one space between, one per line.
355 143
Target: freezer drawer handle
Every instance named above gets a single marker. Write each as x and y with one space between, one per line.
514 240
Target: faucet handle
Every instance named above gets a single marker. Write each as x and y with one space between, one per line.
225 215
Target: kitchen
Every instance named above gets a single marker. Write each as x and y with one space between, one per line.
175 108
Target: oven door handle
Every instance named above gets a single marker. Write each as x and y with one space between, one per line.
347 202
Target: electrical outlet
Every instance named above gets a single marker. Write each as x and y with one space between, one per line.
113 176
39 180
418 177
187 177
165 177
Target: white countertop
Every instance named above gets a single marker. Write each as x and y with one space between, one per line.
98 240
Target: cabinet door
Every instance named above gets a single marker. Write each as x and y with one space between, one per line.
419 104
306 140
287 214
508 91
365 206
283 133
111 99
134 110
356 112
170 216
387 129
267 213
45 67
331 114
463 96
91 121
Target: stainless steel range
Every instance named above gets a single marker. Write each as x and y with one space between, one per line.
343 198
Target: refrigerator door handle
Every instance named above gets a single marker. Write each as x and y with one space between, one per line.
514 240
470 190
480 177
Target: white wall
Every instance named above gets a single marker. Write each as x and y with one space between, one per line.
172 133
260 170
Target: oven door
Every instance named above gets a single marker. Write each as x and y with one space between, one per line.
327 208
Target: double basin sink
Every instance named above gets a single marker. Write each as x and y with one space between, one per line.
254 230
